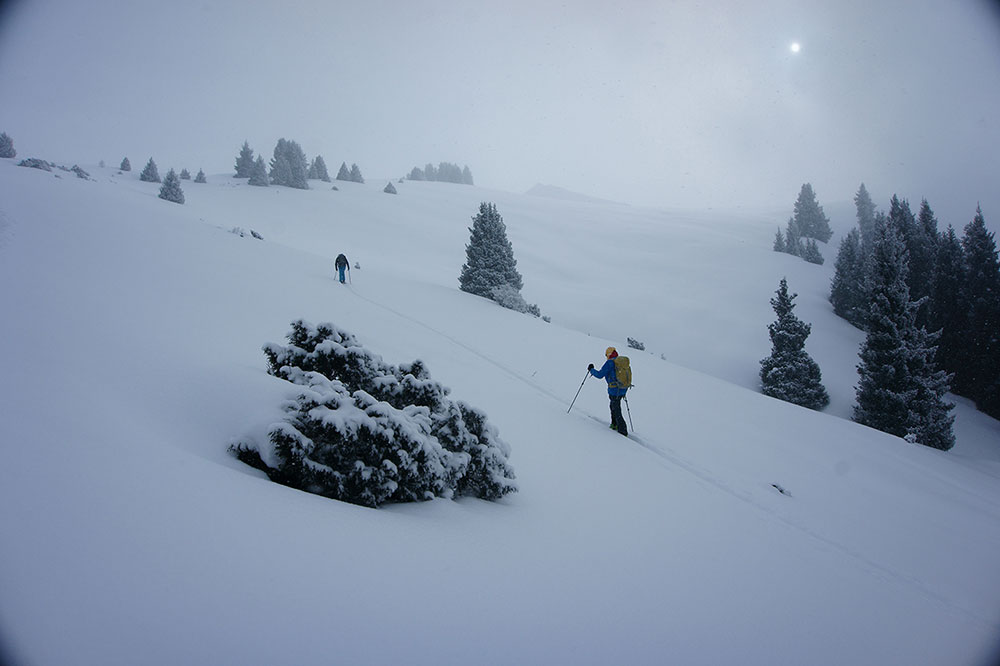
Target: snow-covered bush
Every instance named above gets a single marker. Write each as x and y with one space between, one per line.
635 344
7 146
510 298
35 163
367 432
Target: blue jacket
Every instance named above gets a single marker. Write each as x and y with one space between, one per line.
607 372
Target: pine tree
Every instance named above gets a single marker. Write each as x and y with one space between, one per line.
811 252
200 178
980 378
884 390
7 146
289 166
847 292
149 173
793 238
490 259
185 174
949 311
779 241
356 174
171 189
344 173
126 165
866 217
244 162
812 221
258 176
900 390
317 170
789 373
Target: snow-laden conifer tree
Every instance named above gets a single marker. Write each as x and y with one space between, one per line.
289 166
416 174
171 188
367 432
809 216
7 146
200 178
949 308
489 261
258 176
467 175
811 252
980 378
779 241
149 173
344 173
185 174
865 210
356 174
789 373
900 390
244 162
847 289
317 170
125 165
389 188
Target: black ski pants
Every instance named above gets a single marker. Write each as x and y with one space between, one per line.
617 419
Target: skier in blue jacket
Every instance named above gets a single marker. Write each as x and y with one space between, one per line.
615 390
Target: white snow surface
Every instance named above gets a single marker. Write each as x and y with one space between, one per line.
131 359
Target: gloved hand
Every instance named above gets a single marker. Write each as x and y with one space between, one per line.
590 367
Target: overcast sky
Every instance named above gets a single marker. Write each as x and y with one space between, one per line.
675 104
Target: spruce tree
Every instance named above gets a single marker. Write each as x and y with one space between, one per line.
866 217
490 262
900 391
244 162
171 189
847 292
949 311
793 238
185 174
258 177
289 167
344 173
884 390
356 174
467 175
317 170
200 178
126 165
809 216
416 174
789 373
149 173
7 146
811 252
980 378
779 241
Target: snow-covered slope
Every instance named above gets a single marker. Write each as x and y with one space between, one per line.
131 359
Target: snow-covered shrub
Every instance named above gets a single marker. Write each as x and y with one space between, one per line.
510 298
635 344
7 146
80 173
367 432
35 163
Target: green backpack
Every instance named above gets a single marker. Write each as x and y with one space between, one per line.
623 373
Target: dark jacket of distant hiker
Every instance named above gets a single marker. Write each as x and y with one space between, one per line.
342 264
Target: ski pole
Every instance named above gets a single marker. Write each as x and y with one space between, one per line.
350 280
630 426
578 391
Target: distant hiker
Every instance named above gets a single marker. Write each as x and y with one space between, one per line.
342 265
616 388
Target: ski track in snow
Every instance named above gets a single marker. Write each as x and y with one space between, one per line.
878 570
